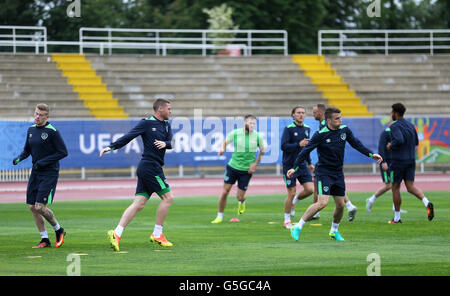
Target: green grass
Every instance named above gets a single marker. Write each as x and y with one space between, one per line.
258 245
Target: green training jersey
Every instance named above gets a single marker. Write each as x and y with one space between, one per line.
245 146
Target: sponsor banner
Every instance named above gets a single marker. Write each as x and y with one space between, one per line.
196 141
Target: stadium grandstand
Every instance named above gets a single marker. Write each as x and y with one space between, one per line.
102 82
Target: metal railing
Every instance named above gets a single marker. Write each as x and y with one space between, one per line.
158 40
249 40
346 42
23 36
15 175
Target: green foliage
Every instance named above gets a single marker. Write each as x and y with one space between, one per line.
220 18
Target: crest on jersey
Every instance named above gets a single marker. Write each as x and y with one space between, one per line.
343 136
153 129
325 188
44 136
295 134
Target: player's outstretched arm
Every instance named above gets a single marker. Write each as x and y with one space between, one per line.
107 149
377 157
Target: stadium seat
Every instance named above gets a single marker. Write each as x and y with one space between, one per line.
331 85
122 85
220 86
90 89
421 82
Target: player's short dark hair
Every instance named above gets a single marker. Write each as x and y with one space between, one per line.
297 107
160 103
399 108
330 111
249 116
321 107
43 107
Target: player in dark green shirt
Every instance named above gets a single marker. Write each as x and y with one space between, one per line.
242 164
319 115
403 144
330 143
46 147
156 136
296 136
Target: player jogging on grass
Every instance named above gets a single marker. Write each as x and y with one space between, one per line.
385 171
242 164
319 115
330 143
156 136
295 137
46 147
403 144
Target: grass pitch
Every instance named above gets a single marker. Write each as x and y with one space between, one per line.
257 245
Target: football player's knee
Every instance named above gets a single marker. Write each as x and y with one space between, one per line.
410 188
340 205
226 190
39 207
168 198
33 208
322 203
140 206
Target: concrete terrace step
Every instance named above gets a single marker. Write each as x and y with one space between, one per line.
212 88
199 74
53 101
444 87
412 102
381 80
32 80
25 111
390 67
218 96
413 110
199 103
424 96
409 58
188 59
189 112
29 66
27 58
36 87
31 73
208 81
393 73
39 96
195 67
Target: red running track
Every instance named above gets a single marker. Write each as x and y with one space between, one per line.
125 188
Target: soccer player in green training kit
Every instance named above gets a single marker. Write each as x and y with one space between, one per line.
330 142
242 164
